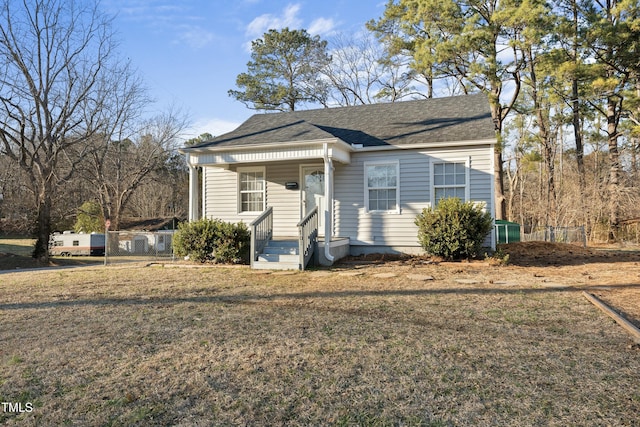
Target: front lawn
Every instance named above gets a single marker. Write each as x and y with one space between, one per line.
374 346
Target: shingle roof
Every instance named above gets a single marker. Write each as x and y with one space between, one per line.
459 118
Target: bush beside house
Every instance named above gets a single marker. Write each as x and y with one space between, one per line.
212 240
453 229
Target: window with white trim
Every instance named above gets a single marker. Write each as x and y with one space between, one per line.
449 179
382 192
251 186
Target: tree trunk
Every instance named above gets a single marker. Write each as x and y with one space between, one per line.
43 231
577 135
614 169
498 175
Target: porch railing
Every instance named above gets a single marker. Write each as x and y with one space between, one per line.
308 232
261 233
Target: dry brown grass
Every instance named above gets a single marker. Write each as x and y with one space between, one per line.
15 254
226 346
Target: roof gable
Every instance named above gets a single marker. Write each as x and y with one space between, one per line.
436 120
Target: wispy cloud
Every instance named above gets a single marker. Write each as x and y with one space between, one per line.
322 26
263 23
164 17
195 37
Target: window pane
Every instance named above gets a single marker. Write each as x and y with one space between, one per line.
382 181
449 179
391 200
382 200
381 176
251 191
391 175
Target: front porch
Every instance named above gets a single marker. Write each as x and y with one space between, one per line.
284 194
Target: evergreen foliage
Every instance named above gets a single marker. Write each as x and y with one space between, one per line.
453 229
212 240
284 71
90 218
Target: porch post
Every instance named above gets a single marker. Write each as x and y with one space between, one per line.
328 211
194 208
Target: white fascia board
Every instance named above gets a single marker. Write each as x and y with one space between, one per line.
340 152
257 147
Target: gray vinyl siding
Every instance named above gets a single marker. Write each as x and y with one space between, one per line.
221 196
389 229
350 216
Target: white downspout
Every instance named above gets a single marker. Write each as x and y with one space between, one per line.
328 211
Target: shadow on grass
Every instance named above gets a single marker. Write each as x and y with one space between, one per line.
252 299
13 262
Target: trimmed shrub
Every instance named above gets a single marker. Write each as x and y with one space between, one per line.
212 240
453 229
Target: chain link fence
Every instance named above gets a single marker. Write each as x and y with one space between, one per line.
128 246
573 235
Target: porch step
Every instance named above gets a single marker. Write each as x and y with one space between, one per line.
283 247
271 265
279 255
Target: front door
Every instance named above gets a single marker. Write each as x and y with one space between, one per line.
313 193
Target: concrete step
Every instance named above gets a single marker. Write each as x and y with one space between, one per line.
284 247
272 265
283 250
279 258
282 243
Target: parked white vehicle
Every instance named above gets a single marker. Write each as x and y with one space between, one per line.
69 243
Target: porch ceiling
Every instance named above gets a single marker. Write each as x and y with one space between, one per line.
337 150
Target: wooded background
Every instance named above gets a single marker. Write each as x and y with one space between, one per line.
562 78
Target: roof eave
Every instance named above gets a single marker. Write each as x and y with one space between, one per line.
258 147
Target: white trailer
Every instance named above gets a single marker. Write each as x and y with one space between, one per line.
69 243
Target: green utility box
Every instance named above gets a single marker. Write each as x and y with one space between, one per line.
507 232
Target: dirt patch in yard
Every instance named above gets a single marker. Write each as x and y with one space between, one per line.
612 273
540 254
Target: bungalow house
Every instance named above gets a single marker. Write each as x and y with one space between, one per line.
347 180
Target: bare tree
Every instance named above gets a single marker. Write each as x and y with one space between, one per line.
54 56
120 166
362 72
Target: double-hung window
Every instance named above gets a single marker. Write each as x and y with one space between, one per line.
382 187
450 179
251 186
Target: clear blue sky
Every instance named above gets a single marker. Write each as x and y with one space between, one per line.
189 52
